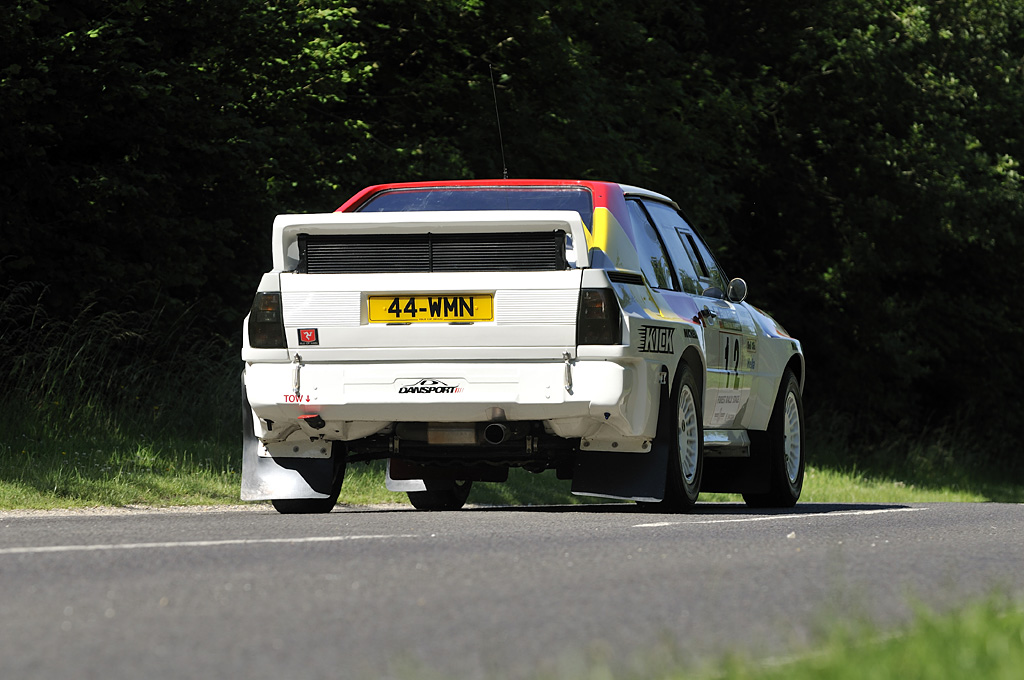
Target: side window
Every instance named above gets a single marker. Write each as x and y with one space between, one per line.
654 263
688 268
716 280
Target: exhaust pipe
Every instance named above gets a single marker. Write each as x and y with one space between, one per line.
496 433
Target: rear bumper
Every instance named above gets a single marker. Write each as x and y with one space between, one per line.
599 400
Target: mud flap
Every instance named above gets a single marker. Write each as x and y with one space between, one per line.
739 475
402 484
627 476
266 479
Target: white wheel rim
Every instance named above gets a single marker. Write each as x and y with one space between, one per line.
792 438
689 446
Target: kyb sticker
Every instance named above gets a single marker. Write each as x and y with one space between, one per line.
430 386
656 339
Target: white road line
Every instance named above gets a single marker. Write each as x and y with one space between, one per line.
841 513
191 544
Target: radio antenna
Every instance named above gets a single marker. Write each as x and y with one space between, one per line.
501 143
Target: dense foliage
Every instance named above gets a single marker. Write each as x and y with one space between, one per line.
858 161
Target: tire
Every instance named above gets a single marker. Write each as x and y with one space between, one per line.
445 496
312 506
784 445
685 429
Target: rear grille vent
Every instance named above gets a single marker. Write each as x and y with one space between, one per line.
395 253
632 278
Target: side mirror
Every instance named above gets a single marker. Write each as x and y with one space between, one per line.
737 290
714 292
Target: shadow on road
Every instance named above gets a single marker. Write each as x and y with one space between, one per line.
701 509
713 509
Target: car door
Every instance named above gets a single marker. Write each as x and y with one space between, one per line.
729 330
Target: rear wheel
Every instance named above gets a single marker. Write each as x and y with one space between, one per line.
784 445
441 495
686 445
310 506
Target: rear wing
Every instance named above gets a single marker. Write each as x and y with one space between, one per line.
288 228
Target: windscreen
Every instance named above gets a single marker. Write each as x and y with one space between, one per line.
484 198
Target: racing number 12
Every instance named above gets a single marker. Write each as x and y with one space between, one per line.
735 352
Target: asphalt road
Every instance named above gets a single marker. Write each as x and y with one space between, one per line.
481 593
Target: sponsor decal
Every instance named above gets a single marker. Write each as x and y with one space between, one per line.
690 333
656 339
308 336
728 320
429 386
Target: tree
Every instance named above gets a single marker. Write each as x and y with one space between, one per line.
890 195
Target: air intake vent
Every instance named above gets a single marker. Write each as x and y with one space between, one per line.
395 253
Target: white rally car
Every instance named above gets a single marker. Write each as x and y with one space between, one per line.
458 329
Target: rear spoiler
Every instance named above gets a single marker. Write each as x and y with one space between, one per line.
287 228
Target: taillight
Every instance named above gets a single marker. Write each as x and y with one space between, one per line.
266 322
599 320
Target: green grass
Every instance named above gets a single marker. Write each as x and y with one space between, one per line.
154 446
43 467
163 448
981 640
364 485
55 456
109 409
928 468
945 463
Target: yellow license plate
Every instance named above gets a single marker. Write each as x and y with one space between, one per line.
436 308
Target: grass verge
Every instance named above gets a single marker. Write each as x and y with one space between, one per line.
163 451
43 466
109 409
113 409
981 640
